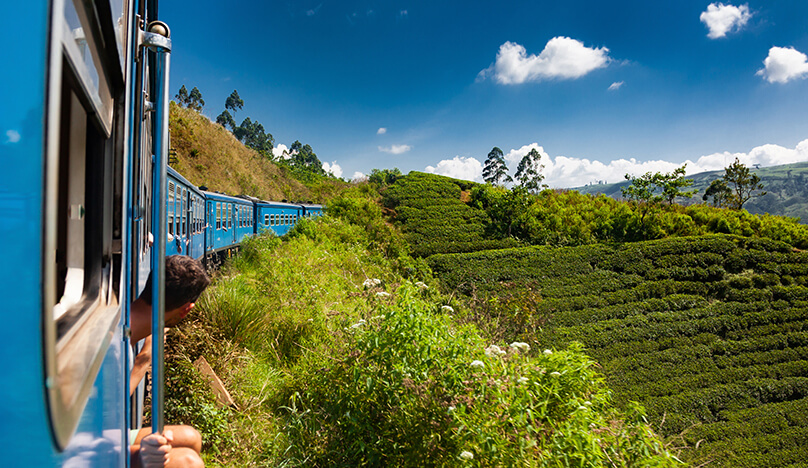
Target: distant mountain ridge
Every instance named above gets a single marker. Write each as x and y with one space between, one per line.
786 188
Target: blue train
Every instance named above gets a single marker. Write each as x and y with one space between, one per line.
210 226
88 208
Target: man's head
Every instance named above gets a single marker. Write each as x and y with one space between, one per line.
185 279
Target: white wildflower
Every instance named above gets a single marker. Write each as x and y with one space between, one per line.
548 352
358 324
377 317
421 285
523 380
582 407
587 403
466 455
382 294
447 309
310 320
555 374
494 350
451 409
371 282
520 346
477 364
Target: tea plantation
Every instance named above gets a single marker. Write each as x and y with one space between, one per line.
708 333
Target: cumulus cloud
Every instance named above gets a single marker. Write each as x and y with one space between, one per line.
783 65
281 151
333 168
459 168
566 172
358 176
13 136
721 19
395 149
615 86
562 58
381 131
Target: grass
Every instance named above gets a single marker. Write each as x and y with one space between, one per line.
328 368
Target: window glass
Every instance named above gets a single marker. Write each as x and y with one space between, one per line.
218 215
185 212
170 208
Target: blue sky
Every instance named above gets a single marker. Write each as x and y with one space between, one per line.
601 88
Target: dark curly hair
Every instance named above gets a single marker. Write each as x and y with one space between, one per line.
185 279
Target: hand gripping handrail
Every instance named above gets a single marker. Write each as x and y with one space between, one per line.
157 39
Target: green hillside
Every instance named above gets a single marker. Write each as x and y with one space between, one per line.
709 334
786 187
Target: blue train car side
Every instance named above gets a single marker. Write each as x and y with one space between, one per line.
224 232
312 211
277 217
75 194
185 217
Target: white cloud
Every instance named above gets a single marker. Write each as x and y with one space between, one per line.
513 156
574 172
281 151
358 177
721 19
562 58
459 168
783 65
381 131
333 169
615 86
12 136
395 149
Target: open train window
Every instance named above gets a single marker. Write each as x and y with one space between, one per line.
218 215
170 208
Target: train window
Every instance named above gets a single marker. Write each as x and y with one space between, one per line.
170 208
184 212
218 215
230 215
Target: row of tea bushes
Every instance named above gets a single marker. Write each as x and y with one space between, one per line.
701 331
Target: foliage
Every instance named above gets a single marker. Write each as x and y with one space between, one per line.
434 219
195 100
253 135
495 170
303 157
233 102
719 192
653 188
742 183
182 96
528 172
407 388
225 119
384 177
702 331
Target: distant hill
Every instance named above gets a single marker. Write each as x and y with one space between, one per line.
786 187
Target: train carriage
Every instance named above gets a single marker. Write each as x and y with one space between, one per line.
86 110
224 215
277 217
311 210
185 217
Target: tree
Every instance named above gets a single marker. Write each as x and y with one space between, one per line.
528 172
657 187
384 177
233 102
495 168
672 184
195 100
253 135
182 97
224 119
720 193
742 184
303 156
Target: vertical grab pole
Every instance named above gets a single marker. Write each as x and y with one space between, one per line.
157 39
